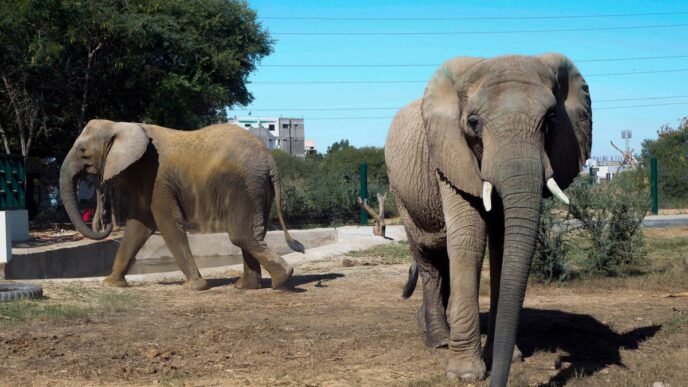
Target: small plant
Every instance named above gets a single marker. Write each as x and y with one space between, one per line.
610 215
552 246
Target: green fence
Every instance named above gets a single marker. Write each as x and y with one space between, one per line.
12 183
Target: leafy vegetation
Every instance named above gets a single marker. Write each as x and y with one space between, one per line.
322 189
671 150
552 245
176 63
611 215
599 233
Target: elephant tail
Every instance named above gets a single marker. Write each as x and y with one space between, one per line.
411 282
275 177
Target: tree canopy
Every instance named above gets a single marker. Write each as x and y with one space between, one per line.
175 63
324 189
671 151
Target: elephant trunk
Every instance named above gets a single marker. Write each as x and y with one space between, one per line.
519 182
69 173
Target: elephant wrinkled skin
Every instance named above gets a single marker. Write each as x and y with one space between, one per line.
221 178
469 164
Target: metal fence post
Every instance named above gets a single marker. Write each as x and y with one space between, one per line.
653 185
364 191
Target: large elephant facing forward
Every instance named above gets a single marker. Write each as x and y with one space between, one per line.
500 129
221 178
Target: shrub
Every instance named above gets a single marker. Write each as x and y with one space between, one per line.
549 261
610 215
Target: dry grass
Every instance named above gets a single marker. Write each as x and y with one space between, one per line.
343 326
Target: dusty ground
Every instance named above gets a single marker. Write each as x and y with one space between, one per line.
340 326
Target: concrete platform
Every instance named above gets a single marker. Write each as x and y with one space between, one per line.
659 221
88 258
348 238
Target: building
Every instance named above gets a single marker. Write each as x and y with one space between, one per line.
282 133
604 168
310 147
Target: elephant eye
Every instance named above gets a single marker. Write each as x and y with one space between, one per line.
475 124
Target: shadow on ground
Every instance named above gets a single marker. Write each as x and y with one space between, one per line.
587 344
293 284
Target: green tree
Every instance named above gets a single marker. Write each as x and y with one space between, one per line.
671 151
324 189
176 63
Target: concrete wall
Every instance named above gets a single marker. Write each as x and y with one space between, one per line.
219 244
14 226
89 258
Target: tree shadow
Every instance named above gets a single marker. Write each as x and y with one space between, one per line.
292 285
588 345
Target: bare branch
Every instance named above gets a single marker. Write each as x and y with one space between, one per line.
5 140
364 204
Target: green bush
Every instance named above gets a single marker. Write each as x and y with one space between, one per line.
671 150
549 261
610 216
322 189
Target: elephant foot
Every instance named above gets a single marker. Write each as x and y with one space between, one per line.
516 357
279 280
196 284
115 282
438 334
466 369
248 282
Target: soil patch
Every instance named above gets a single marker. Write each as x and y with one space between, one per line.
338 326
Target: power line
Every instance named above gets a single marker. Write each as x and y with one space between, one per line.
326 18
425 81
390 117
439 64
640 99
397 108
637 106
486 32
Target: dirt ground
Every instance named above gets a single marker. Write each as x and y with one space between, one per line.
340 326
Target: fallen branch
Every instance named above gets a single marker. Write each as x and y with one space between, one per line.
378 218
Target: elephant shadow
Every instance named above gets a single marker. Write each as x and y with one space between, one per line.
588 344
293 285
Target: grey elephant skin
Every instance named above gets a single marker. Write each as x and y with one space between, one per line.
469 164
221 178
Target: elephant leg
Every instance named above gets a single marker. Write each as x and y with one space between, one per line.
280 271
496 243
251 277
169 220
136 233
466 248
431 316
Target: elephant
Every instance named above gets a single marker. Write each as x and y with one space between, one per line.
221 178
469 164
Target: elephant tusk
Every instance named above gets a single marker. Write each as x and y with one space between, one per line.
556 191
487 195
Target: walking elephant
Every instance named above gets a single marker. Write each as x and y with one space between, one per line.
221 178
469 164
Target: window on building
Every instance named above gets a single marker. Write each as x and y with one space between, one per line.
271 127
247 125
285 126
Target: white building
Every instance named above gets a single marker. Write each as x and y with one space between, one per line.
282 133
310 147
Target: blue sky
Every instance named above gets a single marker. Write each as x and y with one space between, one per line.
581 46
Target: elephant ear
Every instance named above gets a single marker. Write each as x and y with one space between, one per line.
569 138
129 142
441 108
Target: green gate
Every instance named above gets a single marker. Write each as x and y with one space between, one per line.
12 179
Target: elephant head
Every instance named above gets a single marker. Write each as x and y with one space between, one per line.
516 124
104 148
